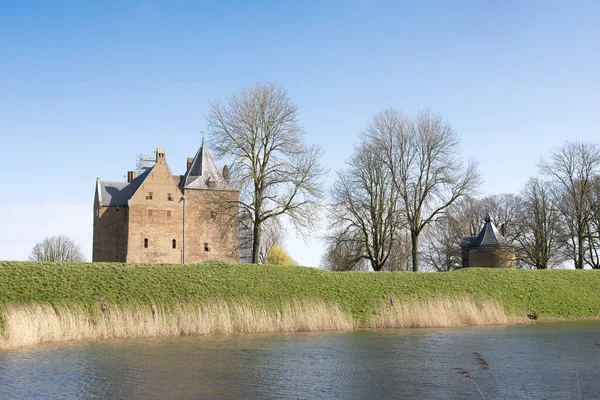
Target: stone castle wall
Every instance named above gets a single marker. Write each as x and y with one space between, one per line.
110 234
211 226
491 257
156 220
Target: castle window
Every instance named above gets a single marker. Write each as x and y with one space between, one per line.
206 247
213 214
149 196
145 243
168 213
149 213
169 197
174 243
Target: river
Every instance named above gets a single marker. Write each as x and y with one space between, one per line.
538 361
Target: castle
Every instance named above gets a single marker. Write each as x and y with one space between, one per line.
158 217
488 249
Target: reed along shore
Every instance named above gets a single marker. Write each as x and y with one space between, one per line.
53 302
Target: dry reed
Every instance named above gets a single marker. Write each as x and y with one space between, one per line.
36 323
440 312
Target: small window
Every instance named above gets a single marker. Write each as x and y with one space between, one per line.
168 213
145 243
149 196
206 247
169 197
150 213
213 214
174 243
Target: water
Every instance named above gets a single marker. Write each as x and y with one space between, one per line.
542 361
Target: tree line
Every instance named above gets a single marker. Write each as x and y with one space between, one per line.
405 199
405 181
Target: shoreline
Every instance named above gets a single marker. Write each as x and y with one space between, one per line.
44 323
57 302
76 337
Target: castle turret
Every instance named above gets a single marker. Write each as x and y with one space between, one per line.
488 249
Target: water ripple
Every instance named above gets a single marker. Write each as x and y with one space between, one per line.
532 361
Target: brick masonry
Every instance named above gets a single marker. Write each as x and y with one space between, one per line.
150 228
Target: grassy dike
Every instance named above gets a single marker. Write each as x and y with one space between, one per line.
275 292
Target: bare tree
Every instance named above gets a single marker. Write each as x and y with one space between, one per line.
422 155
592 255
57 248
443 239
343 253
506 210
272 236
364 207
442 251
539 230
277 173
573 167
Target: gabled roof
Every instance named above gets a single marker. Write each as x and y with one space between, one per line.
204 174
118 193
489 235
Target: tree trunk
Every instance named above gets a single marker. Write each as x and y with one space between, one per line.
256 243
580 249
415 251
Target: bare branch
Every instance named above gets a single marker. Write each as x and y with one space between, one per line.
57 248
277 173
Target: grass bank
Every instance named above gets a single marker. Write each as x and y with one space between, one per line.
104 299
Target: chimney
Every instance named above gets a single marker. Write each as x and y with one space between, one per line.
160 155
131 176
189 162
226 173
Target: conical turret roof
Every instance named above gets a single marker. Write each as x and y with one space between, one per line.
489 235
204 174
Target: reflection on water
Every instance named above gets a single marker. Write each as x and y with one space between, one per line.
529 361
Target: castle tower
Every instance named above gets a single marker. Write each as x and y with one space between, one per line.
489 249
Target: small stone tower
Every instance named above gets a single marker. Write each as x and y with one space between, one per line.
489 249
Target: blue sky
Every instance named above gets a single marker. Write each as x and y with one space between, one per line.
86 86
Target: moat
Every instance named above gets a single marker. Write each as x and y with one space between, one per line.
538 361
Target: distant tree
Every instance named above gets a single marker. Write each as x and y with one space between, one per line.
57 248
505 210
573 169
278 256
443 240
442 248
272 236
428 175
276 171
592 255
539 231
364 210
342 253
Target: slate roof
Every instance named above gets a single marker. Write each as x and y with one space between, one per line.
488 236
178 179
118 193
204 174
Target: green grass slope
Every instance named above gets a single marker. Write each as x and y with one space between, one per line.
550 293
